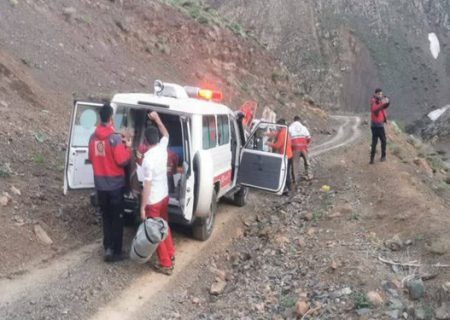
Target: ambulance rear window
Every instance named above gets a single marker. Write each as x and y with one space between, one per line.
223 130
209 132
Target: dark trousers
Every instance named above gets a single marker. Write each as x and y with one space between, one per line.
112 205
289 174
378 133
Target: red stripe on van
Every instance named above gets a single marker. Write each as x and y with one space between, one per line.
224 179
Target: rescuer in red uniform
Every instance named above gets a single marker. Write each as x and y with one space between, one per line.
378 117
109 155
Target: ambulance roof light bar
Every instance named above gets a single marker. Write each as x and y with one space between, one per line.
170 90
205 94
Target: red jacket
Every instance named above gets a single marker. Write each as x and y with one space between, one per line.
378 112
108 157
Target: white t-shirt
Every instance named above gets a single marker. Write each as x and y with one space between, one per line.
155 170
297 130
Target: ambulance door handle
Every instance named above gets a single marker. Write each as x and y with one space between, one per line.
188 189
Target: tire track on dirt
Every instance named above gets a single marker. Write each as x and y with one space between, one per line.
343 137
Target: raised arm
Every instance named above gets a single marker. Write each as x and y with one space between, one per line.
162 128
378 107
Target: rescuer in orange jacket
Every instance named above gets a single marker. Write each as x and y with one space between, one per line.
278 146
378 117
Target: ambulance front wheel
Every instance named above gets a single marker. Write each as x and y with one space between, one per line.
203 226
240 197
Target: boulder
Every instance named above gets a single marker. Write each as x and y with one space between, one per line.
42 235
301 308
217 287
375 298
416 289
395 244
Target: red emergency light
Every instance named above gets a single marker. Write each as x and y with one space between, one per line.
210 95
205 94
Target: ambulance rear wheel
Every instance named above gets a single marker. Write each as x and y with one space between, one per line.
240 197
203 226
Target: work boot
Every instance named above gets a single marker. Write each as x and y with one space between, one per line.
383 159
109 255
118 257
164 270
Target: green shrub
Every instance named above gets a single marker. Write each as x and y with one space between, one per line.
5 170
203 20
275 77
204 14
38 158
395 150
360 300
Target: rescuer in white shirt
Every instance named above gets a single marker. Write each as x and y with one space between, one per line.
155 195
301 139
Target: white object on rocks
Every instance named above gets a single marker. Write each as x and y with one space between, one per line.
436 114
435 46
5 198
4 201
149 234
42 235
15 191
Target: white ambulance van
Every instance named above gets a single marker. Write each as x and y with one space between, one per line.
214 157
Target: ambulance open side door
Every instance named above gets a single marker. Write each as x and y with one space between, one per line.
188 176
77 169
262 166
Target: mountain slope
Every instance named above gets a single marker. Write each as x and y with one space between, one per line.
343 49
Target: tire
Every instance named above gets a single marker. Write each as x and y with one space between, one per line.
240 197
203 226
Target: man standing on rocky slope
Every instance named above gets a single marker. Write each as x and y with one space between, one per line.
378 117
301 139
109 156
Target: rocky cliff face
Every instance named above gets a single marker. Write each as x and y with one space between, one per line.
342 49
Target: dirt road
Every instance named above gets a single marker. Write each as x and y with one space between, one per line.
80 286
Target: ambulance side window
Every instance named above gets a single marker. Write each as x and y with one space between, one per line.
86 120
209 132
223 130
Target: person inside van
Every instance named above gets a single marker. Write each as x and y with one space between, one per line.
155 195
